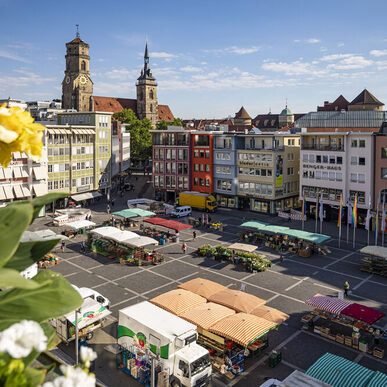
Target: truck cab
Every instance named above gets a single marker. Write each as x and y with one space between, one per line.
94 295
211 203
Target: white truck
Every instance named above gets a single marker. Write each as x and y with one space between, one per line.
146 331
87 292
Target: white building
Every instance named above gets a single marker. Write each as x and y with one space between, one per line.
334 164
12 102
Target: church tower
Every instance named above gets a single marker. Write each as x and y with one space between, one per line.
77 87
147 104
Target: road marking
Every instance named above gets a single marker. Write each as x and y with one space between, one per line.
296 284
248 276
327 287
68 275
358 357
362 282
79 267
315 272
121 302
292 366
340 259
272 298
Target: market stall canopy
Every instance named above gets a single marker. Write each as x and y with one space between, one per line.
206 315
377 251
86 196
78 224
299 379
307 236
329 304
104 231
243 247
255 224
91 311
237 300
243 328
133 213
362 313
30 236
178 301
171 224
378 379
140 241
202 287
270 314
337 371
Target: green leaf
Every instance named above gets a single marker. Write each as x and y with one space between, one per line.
14 220
29 253
41 201
55 298
34 377
12 278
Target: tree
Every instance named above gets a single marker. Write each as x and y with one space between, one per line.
163 125
140 137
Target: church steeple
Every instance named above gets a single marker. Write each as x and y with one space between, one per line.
146 72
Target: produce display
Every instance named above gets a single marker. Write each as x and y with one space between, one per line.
252 261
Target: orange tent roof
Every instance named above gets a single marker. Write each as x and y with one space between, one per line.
178 301
243 328
202 287
206 315
237 300
270 314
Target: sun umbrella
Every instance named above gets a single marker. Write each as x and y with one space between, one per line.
178 301
237 300
202 287
206 315
271 314
243 328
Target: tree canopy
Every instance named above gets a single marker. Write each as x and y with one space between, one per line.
163 125
140 137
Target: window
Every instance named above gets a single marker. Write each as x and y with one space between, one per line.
201 167
207 167
49 168
354 177
173 154
311 158
180 154
186 182
332 160
201 154
339 176
196 181
158 139
161 181
354 144
332 176
156 181
207 154
83 66
291 171
50 185
325 159
170 139
361 178
339 160
196 153
202 140
353 160
361 160
384 153
207 182
361 143
305 174
384 173
317 175
168 154
201 182
305 157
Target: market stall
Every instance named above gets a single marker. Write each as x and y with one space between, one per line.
374 260
124 246
130 217
270 314
347 323
202 287
70 215
163 230
78 227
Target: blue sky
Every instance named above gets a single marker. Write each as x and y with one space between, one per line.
209 57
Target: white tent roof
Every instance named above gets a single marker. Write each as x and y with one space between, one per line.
377 251
243 247
105 231
140 241
124 235
80 224
299 379
30 236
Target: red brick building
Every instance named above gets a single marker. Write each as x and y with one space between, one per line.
202 162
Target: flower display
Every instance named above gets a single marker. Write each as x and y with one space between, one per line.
19 133
73 377
21 338
87 355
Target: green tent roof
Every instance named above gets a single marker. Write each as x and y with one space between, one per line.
254 224
141 212
308 236
125 214
133 213
379 379
338 372
276 229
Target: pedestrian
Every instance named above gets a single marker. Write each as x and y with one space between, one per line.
346 288
281 258
83 247
184 247
194 235
112 203
108 209
243 219
62 246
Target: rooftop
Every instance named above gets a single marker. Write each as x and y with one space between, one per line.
366 98
242 114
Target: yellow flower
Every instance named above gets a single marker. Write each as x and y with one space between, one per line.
19 133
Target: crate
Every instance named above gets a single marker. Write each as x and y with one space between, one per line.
348 341
134 372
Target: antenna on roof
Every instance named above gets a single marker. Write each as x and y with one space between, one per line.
77 33
286 102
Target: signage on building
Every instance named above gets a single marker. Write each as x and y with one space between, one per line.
83 188
320 166
254 164
279 162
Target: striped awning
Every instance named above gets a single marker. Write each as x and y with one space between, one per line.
206 315
271 314
379 379
202 287
243 328
237 300
178 301
337 371
329 304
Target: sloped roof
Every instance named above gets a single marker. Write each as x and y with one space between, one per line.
339 103
164 113
242 114
365 97
77 40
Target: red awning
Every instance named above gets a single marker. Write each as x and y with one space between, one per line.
171 224
362 313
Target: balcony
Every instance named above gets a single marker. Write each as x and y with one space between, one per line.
331 148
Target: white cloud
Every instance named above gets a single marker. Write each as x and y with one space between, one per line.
293 68
340 44
333 57
161 54
12 56
323 49
121 74
351 63
378 52
381 65
313 40
235 50
190 69
296 40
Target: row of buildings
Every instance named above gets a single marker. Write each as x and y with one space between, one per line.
328 153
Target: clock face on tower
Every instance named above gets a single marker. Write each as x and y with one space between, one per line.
67 79
82 79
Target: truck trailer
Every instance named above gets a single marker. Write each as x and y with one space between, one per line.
155 342
201 201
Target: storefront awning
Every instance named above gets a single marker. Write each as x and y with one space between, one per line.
171 224
329 304
362 313
378 379
39 173
8 192
86 196
338 371
17 173
2 194
7 173
18 191
39 189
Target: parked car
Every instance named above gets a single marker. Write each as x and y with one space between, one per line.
181 211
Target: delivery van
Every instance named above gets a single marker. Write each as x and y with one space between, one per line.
201 201
181 211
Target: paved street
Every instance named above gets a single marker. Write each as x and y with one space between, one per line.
284 286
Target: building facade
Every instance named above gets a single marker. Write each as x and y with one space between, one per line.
268 172
171 162
120 148
202 162
380 176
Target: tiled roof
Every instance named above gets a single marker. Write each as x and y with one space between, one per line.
200 124
345 119
365 97
164 113
338 130
242 114
339 104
